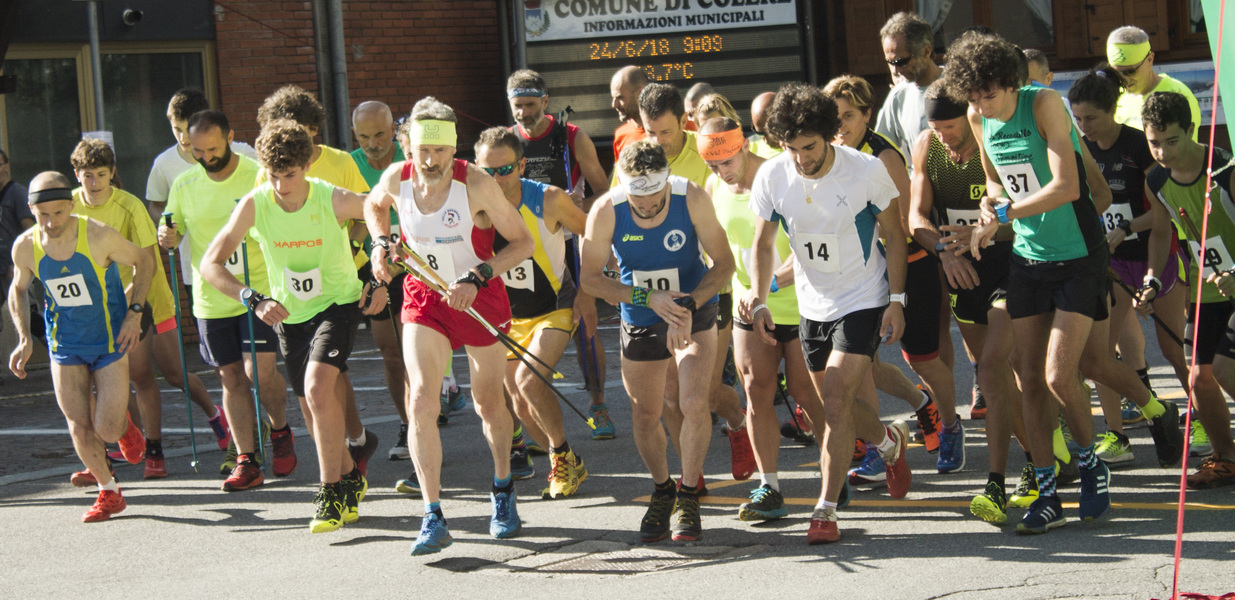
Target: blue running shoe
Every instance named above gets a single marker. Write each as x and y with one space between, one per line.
871 470
843 500
433 536
1045 514
521 466
505 521
453 401
1130 413
951 449
1095 492
765 504
604 425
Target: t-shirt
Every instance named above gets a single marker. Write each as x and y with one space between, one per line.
1123 165
333 166
201 207
689 164
626 134
14 207
125 213
762 148
1128 110
832 225
372 176
733 212
903 117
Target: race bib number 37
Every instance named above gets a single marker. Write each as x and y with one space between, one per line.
1019 180
70 291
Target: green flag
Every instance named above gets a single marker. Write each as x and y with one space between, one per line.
1224 56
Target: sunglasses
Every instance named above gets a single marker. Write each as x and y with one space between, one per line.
502 171
1127 71
900 62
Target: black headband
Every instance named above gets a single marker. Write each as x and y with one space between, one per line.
942 108
50 194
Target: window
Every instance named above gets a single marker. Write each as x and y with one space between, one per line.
1026 23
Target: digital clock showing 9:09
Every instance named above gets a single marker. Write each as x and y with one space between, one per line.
651 47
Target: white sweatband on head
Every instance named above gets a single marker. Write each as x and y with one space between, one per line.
643 185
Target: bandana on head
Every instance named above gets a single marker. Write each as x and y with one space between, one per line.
1126 55
643 185
720 146
49 195
525 93
430 132
943 108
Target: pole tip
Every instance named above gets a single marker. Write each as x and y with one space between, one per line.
591 423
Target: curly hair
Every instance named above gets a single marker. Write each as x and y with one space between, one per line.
91 154
642 157
292 102
1161 109
855 90
978 62
284 145
801 109
656 99
498 137
185 103
1098 87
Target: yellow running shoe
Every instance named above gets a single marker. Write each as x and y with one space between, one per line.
330 509
567 473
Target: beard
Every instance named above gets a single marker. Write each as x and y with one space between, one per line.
217 164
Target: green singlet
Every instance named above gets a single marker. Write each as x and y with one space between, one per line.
1219 232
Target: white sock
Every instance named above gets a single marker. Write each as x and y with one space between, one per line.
888 441
448 383
921 404
824 505
771 480
358 441
109 486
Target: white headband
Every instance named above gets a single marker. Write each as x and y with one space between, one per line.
644 185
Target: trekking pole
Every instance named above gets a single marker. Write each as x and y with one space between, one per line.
1171 334
257 393
184 368
591 378
1206 259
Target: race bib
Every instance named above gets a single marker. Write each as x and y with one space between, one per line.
70 291
1115 214
305 286
1019 180
1216 255
235 265
660 279
963 217
522 276
817 251
437 257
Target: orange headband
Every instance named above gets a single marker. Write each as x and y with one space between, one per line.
720 146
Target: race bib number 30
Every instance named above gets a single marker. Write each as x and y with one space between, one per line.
70 291
305 286
522 276
1115 214
1019 180
1216 255
660 279
817 251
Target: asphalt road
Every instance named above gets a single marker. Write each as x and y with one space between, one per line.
184 537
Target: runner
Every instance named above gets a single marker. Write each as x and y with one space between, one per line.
625 87
849 295
449 213
88 327
1129 54
763 146
201 200
315 298
663 114
659 226
545 306
1178 182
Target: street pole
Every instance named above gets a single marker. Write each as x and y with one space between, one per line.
96 75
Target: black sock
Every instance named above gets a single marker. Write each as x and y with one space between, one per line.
1028 457
286 427
154 446
250 455
995 477
688 490
667 488
354 475
506 489
565 447
1144 375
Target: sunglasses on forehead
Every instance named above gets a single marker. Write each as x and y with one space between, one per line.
501 171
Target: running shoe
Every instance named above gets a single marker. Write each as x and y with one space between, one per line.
1114 448
1045 514
687 526
566 474
1095 492
1168 438
655 524
782 390
533 448
132 443
843 500
1198 440
246 475
741 455
795 429
156 466
899 476
1129 412
859 451
505 520
1213 472
222 433
84 478
362 454
604 429
1027 490
330 509
872 469
353 492
442 419
107 504
928 421
1068 441
1066 473
433 536
521 466
400 451
990 506
284 462
453 401
229 459
410 486
822 528
951 449
977 410
765 504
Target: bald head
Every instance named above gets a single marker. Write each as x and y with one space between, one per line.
624 88
372 109
50 180
759 111
374 127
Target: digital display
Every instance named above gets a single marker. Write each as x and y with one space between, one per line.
739 63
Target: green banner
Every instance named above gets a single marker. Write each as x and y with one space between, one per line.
1217 19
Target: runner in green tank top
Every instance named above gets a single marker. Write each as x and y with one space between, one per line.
1179 182
314 309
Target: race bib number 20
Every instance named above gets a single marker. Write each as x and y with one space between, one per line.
70 291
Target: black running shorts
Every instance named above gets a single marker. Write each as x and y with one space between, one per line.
642 344
854 333
326 338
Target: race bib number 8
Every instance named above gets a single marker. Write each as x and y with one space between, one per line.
1115 214
70 291
817 251
1019 180
437 257
660 279
522 276
1216 255
963 217
305 286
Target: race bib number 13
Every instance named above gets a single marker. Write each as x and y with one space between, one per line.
522 276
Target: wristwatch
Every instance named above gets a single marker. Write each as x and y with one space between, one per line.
137 308
485 271
687 302
383 241
251 298
1126 226
898 298
1001 212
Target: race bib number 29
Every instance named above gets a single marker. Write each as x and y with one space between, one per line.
1216 255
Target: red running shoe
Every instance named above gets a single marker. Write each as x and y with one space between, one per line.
741 454
822 528
246 475
156 467
899 475
928 420
859 451
84 478
107 504
284 452
132 443
362 454
222 432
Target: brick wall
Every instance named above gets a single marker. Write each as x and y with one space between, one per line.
398 52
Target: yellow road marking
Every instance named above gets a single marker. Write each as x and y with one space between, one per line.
1171 506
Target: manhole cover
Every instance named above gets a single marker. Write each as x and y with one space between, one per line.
635 560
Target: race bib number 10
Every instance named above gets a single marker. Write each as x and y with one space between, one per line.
660 279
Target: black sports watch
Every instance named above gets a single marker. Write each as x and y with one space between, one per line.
485 271
383 241
137 308
687 302
1126 226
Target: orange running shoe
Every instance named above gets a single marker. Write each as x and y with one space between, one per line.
928 420
107 504
822 528
1212 473
132 443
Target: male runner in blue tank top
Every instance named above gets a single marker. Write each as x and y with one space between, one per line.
89 328
657 225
